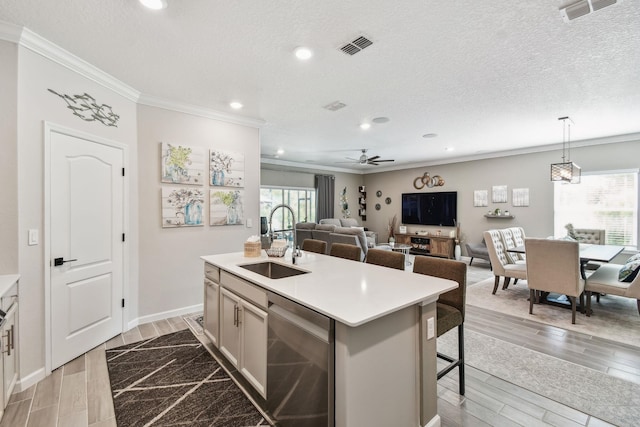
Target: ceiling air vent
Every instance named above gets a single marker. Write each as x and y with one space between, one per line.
335 106
584 7
356 46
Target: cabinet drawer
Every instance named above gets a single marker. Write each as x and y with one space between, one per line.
212 273
244 289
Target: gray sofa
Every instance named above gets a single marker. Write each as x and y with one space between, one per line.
331 233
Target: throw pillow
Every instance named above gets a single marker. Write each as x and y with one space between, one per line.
629 271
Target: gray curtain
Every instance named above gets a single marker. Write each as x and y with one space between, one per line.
325 191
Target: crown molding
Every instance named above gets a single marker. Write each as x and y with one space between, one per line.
55 53
308 166
155 101
10 32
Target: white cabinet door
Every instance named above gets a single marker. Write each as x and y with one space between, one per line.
9 355
211 310
253 346
229 325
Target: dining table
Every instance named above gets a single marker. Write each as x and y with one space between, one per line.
587 253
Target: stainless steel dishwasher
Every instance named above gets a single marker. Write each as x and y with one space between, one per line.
300 365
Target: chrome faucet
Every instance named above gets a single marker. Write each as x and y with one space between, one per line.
295 250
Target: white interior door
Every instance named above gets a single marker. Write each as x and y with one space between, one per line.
86 246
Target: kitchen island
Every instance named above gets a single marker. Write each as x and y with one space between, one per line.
384 342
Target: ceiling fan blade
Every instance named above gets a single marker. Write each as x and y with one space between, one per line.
387 160
373 159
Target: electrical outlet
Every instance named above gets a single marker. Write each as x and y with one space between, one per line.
431 328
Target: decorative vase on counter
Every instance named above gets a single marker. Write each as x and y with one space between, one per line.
458 252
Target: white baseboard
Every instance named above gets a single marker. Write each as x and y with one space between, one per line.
165 315
434 422
24 383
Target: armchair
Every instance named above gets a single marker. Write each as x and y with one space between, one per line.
502 264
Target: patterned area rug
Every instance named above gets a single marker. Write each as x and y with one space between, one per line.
614 318
172 380
587 390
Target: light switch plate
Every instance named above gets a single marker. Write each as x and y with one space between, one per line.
33 237
249 223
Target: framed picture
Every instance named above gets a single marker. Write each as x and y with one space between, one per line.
499 194
520 197
226 207
480 198
182 164
226 169
182 207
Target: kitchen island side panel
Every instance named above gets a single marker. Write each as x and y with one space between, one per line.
378 371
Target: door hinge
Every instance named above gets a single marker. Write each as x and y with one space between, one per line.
122 171
123 237
122 302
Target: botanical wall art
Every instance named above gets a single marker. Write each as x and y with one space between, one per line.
182 207
226 169
480 198
226 207
86 107
499 194
520 197
182 164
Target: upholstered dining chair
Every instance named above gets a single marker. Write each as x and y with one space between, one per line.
312 245
385 258
450 307
554 266
344 250
501 264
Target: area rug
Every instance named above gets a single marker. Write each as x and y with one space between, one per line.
172 380
614 318
598 394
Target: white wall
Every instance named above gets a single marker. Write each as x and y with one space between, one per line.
520 171
9 158
36 104
170 267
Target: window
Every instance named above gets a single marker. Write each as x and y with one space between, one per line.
301 200
602 200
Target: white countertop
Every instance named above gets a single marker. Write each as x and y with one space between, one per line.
7 281
350 292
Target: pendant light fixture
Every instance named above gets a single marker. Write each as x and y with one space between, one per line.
567 171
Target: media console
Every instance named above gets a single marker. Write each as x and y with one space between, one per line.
439 246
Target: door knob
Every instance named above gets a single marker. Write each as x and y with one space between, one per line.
59 261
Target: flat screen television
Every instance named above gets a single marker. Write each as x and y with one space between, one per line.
438 208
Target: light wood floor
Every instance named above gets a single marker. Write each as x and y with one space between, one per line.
78 393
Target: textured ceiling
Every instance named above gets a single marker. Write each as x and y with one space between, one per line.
485 76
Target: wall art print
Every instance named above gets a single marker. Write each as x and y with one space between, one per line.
226 169
86 107
480 198
182 207
520 197
499 194
182 164
226 207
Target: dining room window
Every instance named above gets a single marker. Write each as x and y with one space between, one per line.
602 200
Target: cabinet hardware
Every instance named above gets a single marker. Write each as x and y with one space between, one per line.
59 261
13 341
8 346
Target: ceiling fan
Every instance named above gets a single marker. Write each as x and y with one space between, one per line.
365 160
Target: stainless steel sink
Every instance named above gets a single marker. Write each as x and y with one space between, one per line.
273 270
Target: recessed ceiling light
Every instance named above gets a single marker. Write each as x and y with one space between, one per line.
365 126
280 151
154 4
448 148
235 105
429 135
381 120
303 53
